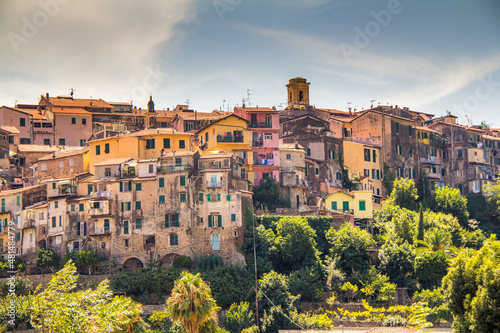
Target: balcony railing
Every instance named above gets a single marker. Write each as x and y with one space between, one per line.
269 162
101 231
221 138
261 125
350 211
173 168
99 211
259 143
28 224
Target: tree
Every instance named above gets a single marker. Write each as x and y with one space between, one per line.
449 201
436 240
295 243
430 268
420 235
85 260
268 195
345 180
404 226
350 245
58 308
397 262
47 258
238 317
472 287
191 305
388 178
404 194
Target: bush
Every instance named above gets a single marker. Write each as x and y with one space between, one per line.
182 262
160 320
308 282
430 268
208 262
394 321
229 284
238 317
47 258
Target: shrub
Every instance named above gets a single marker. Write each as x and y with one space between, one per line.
182 262
238 317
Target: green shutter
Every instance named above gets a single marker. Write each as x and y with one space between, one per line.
138 186
362 205
210 221
233 217
334 205
137 205
228 197
345 205
209 197
183 180
121 186
161 182
219 220
85 228
90 188
200 196
167 220
123 206
176 220
218 196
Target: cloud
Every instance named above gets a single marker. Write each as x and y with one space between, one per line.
92 45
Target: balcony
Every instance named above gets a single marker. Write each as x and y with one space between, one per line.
261 125
230 138
101 194
173 168
268 162
29 224
350 211
258 143
100 231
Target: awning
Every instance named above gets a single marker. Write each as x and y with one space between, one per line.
486 170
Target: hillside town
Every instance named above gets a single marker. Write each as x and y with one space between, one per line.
135 183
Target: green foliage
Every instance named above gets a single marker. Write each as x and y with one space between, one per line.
420 234
404 225
450 201
472 287
85 260
350 245
160 320
350 290
22 317
436 301
473 239
191 305
295 244
430 268
47 258
334 275
238 317
397 262
252 329
229 284
377 287
147 286
489 215
58 308
275 287
436 240
345 180
268 195
182 262
309 282
22 286
404 194
208 262
388 179
311 320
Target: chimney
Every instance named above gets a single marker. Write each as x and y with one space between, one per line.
47 95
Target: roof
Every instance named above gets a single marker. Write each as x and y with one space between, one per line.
304 116
352 196
64 153
215 155
421 128
258 109
78 102
489 137
177 154
113 161
70 111
28 111
37 148
10 129
215 122
158 131
17 190
390 330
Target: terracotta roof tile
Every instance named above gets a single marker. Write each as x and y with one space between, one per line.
78 102
70 111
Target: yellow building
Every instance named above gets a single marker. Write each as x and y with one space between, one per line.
229 134
364 163
358 203
146 144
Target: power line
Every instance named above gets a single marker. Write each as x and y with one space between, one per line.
281 311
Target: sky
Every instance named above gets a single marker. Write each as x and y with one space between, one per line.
431 56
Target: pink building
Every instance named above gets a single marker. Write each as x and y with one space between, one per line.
265 126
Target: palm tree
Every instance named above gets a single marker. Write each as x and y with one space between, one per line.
191 305
436 240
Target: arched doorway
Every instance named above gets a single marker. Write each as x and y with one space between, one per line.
132 264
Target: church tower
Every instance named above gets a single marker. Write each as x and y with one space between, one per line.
151 104
298 91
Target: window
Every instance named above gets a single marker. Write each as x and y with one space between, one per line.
24 141
178 161
214 220
218 196
56 204
367 154
397 127
411 152
18 200
171 220
73 121
106 148
460 153
233 217
410 129
98 150
174 240
46 142
161 182
138 186
126 242
161 199
345 205
126 206
150 143
62 142
334 205
81 207
366 172
138 224
288 156
72 207
22 122
374 156
215 242
183 180
268 136
209 197
398 149
125 227
200 196
362 204
228 197
60 220
138 205
182 197
151 168
182 144
82 142
84 121
166 143
206 137
308 151
90 188
54 222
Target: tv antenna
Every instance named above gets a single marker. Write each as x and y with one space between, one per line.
469 121
187 103
248 96
372 102
71 92
349 106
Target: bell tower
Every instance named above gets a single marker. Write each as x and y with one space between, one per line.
298 91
